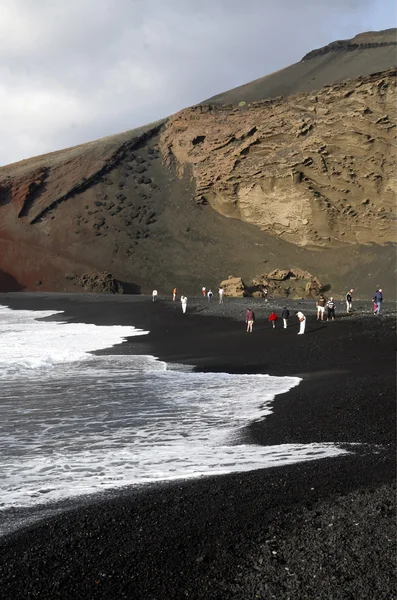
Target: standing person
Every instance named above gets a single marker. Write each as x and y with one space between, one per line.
154 295
349 301
285 316
378 299
174 294
321 302
273 318
184 303
221 291
209 295
265 293
302 322
249 319
204 291
331 309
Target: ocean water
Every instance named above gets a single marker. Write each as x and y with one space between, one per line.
73 423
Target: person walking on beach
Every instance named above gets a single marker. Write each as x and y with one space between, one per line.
209 295
174 294
184 303
265 293
302 322
378 299
154 295
331 309
285 316
204 291
273 318
349 301
249 319
221 291
321 302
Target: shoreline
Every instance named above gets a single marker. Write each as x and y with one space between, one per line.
191 538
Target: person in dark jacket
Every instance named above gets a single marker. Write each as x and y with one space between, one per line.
285 316
378 299
249 319
331 309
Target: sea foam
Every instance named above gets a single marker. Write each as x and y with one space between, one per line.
72 423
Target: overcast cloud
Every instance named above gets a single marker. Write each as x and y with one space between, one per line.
76 70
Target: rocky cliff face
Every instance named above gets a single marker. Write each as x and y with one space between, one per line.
314 169
308 177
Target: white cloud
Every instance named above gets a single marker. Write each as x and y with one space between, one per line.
77 70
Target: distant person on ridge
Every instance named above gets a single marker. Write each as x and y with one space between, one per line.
349 301
204 291
221 291
154 295
174 294
331 309
209 295
285 316
249 319
273 318
378 299
302 322
184 303
321 302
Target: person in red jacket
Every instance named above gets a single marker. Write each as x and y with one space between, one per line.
273 318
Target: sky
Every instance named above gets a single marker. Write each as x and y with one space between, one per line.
78 70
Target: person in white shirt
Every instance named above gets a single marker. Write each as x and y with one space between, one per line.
184 303
221 291
302 322
209 295
349 301
154 295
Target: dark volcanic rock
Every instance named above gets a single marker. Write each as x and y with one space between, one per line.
100 283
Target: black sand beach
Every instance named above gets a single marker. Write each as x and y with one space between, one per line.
323 530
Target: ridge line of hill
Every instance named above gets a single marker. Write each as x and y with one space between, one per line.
351 44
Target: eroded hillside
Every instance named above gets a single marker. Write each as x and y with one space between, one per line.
315 169
308 177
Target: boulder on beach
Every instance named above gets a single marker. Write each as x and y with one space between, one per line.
282 283
234 287
99 283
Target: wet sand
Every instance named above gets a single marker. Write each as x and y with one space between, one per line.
324 529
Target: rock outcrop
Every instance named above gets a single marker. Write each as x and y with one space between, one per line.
234 287
313 169
283 283
97 283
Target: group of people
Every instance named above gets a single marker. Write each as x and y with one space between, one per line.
209 294
377 301
183 299
321 304
250 319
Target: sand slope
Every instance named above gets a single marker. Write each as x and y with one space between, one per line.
309 181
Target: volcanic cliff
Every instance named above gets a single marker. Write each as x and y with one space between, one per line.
303 161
